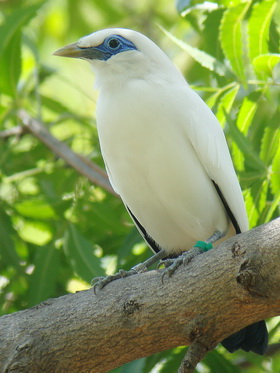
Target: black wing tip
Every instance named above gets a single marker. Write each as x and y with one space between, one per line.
228 210
150 241
252 338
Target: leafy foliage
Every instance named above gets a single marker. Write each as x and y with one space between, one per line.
58 231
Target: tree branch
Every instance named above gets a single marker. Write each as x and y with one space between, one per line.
14 131
217 294
84 166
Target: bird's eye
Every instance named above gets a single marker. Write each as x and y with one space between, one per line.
114 43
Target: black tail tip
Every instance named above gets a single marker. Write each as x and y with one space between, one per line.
252 338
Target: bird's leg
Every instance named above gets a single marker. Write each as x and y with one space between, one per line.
200 247
100 282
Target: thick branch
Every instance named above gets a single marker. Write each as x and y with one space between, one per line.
85 167
218 293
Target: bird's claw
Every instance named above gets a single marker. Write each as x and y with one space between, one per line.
165 262
100 282
172 264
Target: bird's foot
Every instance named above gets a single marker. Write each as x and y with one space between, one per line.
100 282
172 264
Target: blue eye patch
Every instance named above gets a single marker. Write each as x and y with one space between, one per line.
111 46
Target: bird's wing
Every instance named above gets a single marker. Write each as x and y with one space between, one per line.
207 138
150 241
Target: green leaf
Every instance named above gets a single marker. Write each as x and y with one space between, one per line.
273 210
218 363
247 111
14 22
252 212
35 208
210 32
10 65
238 157
248 178
203 58
131 239
34 231
156 359
42 281
54 105
165 360
256 200
262 197
212 100
244 119
275 173
226 103
132 366
172 360
252 158
258 27
265 63
232 39
80 253
258 33
270 143
8 254
10 47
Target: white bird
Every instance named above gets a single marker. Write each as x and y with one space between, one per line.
164 150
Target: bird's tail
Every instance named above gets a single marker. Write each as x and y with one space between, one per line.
252 338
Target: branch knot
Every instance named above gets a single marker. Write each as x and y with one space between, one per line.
131 306
250 277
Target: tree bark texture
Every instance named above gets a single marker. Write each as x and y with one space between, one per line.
216 294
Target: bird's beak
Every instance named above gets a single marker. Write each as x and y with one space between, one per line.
70 50
89 53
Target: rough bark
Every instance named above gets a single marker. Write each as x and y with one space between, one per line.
215 295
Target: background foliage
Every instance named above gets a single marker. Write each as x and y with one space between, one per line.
57 231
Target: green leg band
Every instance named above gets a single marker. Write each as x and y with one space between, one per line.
204 245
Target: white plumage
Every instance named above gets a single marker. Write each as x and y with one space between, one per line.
162 146
166 155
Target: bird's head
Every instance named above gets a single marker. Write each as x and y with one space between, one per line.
120 54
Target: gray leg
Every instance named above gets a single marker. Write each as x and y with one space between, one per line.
100 282
172 264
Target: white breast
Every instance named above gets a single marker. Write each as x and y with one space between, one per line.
154 167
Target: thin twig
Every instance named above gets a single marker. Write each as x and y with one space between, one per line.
82 165
14 131
194 355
